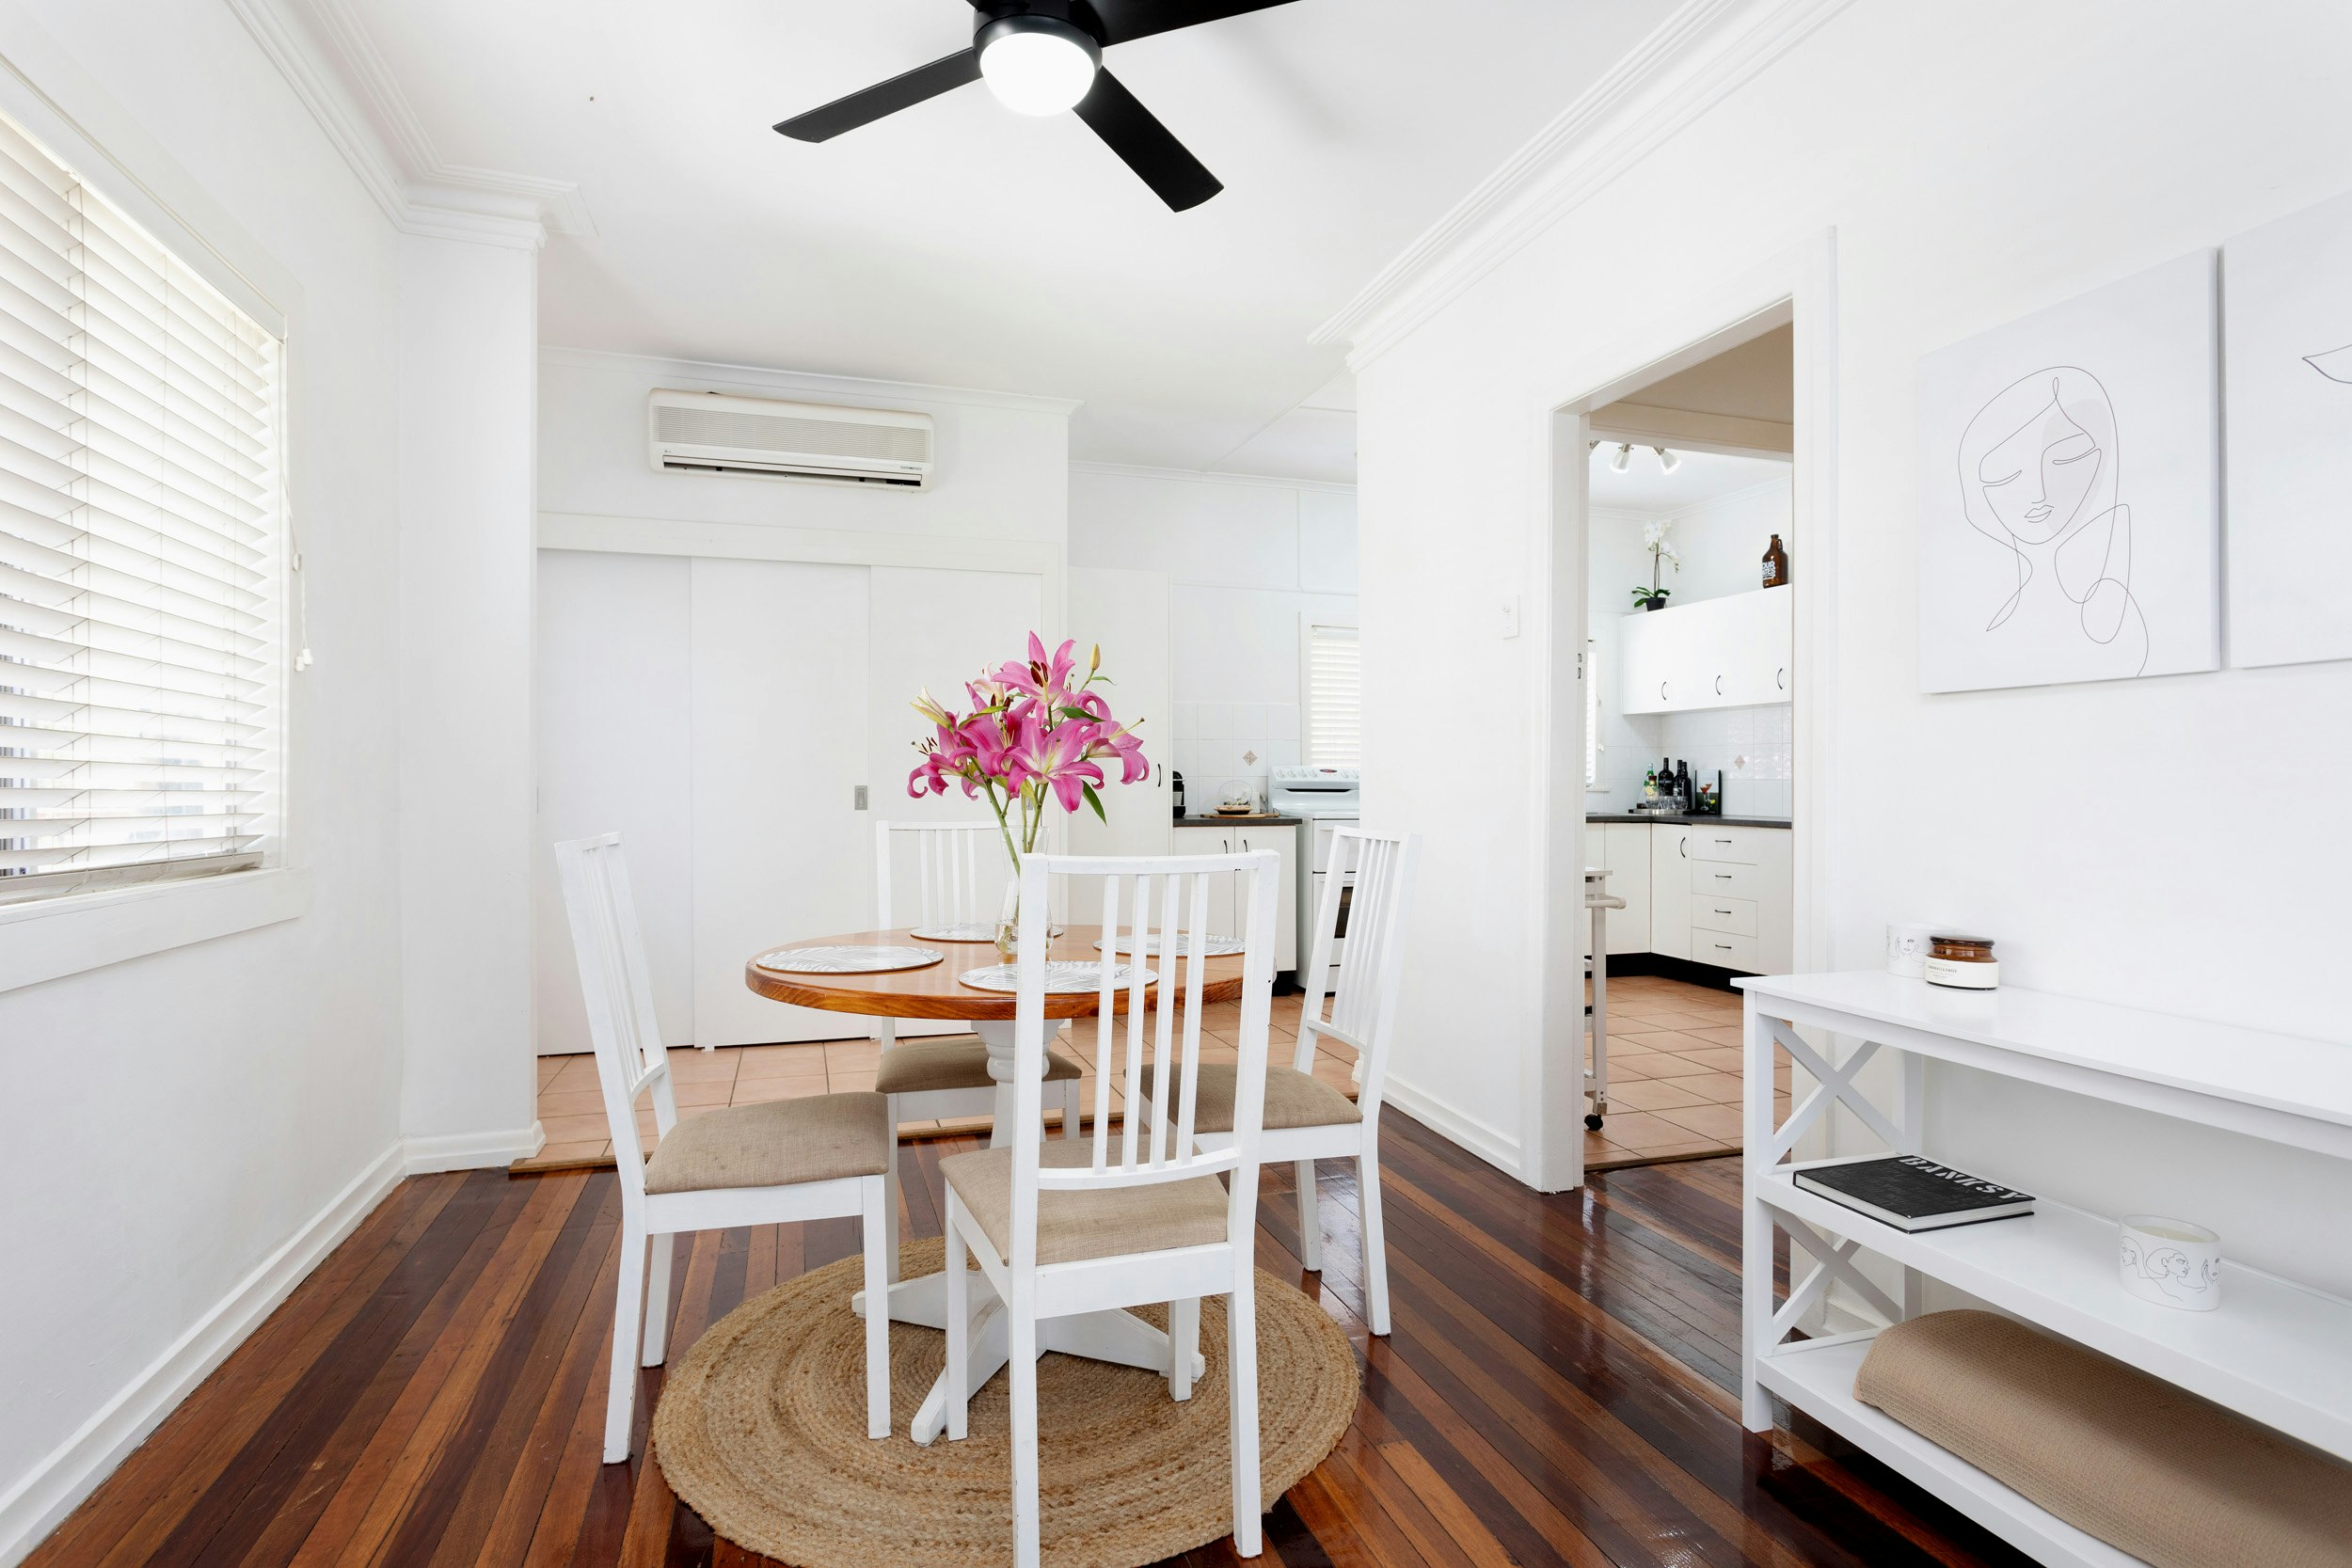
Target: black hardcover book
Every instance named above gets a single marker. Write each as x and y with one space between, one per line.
1913 1193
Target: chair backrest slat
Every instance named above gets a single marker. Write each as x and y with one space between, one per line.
955 871
616 984
1154 918
1376 870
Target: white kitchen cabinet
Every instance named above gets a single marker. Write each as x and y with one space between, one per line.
1222 838
1625 850
1670 887
1732 652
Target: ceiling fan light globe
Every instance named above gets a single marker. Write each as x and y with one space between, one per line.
1038 65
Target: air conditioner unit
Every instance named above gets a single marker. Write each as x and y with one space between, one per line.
711 433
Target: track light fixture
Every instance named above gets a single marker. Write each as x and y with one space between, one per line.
1666 460
1624 458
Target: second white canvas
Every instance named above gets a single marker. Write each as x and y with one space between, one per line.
2069 507
2289 291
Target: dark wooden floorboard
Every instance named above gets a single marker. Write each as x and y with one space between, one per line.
1561 1387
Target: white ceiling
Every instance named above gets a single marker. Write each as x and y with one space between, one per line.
1701 475
959 243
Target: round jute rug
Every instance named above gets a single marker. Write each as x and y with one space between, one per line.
761 1429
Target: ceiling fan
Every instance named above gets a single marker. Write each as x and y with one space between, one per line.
1042 56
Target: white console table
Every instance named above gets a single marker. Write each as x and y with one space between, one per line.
2276 1351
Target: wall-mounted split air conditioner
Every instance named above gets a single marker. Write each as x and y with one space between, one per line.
714 434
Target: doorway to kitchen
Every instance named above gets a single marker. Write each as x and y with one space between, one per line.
1685 667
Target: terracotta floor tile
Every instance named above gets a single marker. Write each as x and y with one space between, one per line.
1673 1041
702 1092
1651 1094
1707 1122
1684 1020
1703 1146
688 1061
842 1080
782 1061
1720 1088
1661 1065
555 1154
554 1102
853 1055
1718 1058
1732 1035
577 1074
1641 1130
1632 1069
574 1130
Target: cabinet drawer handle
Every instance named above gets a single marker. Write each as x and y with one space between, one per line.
1781 679
1723 841
1723 911
1722 876
1682 847
1662 691
1723 947
1718 686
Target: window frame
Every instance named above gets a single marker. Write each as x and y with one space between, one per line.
1308 622
47 938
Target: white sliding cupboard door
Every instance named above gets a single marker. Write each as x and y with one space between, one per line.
782 854
608 701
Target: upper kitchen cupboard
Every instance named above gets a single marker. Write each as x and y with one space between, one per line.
1731 651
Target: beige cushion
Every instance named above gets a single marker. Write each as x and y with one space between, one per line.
816 1138
1075 1226
912 1066
2142 1464
1293 1099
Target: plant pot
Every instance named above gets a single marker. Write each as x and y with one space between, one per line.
1653 604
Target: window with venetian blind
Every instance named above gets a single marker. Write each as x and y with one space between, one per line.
1334 697
141 570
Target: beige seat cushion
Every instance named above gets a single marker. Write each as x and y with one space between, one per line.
1293 1099
774 1145
912 1066
2143 1465
1075 1226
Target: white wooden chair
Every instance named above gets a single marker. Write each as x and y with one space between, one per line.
959 880
821 1157
1307 1119
1061 1229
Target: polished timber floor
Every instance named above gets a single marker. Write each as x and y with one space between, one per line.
1559 1390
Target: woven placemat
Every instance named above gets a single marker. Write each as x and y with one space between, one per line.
761 1429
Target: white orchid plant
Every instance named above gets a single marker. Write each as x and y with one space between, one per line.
1657 540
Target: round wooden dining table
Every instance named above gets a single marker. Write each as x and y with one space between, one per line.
936 991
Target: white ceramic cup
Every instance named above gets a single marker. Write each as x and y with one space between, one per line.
1907 950
2171 1262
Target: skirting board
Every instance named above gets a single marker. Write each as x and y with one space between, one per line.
1490 1144
37 1503
470 1151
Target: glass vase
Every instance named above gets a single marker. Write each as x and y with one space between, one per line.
1008 922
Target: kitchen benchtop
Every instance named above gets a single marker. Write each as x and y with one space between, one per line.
1266 819
1673 820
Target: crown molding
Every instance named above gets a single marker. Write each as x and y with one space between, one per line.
1207 476
767 381
1697 58
341 78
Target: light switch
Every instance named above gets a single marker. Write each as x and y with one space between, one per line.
1511 616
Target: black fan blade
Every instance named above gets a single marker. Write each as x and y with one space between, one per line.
884 98
1125 20
1148 146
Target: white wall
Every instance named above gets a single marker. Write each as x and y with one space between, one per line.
173 1122
2100 832
1246 559
468 355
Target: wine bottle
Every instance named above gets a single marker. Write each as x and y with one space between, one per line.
1775 563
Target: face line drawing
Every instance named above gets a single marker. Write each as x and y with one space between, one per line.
2041 477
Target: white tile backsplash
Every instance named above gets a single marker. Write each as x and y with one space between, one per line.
1187 720
1712 739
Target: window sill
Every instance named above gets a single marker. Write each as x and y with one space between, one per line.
52 939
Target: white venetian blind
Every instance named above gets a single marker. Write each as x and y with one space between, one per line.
1334 697
139 550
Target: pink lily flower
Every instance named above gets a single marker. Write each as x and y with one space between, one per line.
1055 758
1041 679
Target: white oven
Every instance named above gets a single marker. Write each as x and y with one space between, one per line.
1321 799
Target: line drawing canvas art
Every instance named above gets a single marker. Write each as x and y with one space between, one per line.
2287 306
2069 509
